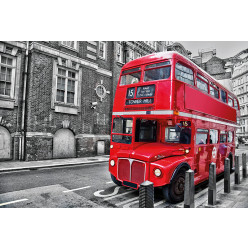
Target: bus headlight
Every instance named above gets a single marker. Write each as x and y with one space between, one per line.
112 162
157 172
111 146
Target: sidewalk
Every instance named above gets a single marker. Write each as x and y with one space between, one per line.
17 165
237 198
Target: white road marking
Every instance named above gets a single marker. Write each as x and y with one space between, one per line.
11 202
86 187
97 193
129 204
112 197
159 203
129 200
109 182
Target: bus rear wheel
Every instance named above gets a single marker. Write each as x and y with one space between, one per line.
174 192
115 180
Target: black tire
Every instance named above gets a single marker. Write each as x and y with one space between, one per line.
174 192
115 180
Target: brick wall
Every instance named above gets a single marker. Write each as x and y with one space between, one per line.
88 126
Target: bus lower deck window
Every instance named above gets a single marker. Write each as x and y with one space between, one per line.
146 131
178 134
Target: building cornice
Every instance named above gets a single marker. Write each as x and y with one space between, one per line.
56 53
20 44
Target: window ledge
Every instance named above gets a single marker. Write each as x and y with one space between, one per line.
70 48
6 102
102 58
120 63
66 109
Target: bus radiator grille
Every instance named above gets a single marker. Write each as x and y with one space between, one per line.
138 172
124 170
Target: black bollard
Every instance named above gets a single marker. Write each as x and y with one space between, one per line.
237 171
212 184
189 190
227 181
244 168
146 195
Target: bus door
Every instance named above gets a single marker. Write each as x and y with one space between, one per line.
201 153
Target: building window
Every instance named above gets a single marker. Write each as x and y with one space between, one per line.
66 86
152 44
131 55
102 50
70 44
7 75
119 53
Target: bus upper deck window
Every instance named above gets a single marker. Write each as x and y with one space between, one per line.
202 83
157 71
236 104
130 76
230 101
223 96
184 74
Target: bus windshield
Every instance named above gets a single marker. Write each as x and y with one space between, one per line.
178 134
146 130
130 76
122 130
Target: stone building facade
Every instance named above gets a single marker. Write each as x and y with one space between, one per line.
215 66
240 89
56 97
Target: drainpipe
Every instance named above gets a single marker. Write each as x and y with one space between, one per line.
23 127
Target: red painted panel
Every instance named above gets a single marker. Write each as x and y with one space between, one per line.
200 102
124 170
138 172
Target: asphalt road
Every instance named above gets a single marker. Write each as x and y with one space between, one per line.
75 186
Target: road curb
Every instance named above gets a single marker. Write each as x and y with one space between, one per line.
52 166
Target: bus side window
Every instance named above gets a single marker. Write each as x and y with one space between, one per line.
201 137
213 137
223 137
230 136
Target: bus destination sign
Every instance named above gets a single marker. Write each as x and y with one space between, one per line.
140 101
145 91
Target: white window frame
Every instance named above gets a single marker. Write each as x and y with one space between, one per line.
104 43
13 74
66 85
119 53
74 47
131 55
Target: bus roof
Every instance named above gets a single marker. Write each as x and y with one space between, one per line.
155 57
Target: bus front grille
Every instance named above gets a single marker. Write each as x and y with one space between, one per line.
131 170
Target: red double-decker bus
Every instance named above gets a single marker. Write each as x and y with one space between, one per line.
169 116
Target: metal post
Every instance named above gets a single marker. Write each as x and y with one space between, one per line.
237 171
244 165
212 184
189 190
146 195
227 181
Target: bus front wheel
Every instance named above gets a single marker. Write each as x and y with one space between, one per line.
174 192
115 180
